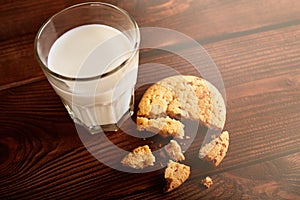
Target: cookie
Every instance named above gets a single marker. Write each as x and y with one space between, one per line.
215 151
182 97
173 150
140 158
175 175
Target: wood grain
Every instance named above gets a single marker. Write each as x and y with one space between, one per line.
257 183
205 21
255 45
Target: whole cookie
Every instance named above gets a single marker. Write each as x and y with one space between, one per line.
182 97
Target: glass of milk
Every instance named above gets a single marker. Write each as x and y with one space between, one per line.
89 53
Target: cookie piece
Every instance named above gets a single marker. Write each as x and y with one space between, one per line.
173 149
207 182
165 126
175 175
140 158
183 97
215 151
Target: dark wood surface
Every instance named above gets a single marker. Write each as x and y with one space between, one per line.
256 46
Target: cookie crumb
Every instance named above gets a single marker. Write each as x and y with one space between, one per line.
207 182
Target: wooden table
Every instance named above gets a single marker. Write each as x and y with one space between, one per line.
256 46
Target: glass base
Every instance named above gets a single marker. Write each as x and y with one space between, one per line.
105 127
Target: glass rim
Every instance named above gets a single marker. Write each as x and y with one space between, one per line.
103 75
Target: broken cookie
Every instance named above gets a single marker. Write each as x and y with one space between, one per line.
165 126
175 175
169 101
215 151
174 151
140 158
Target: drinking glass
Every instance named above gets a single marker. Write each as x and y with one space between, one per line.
100 100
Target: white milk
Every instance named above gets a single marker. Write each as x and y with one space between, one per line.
88 51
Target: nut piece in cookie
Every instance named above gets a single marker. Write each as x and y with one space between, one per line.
215 150
164 126
140 158
175 175
207 182
173 149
